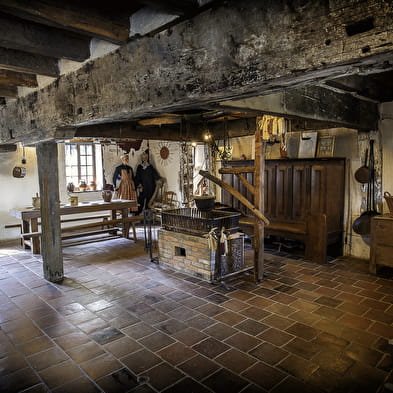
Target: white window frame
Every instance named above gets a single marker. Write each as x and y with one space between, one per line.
78 170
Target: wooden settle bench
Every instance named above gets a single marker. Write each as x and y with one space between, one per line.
104 223
303 199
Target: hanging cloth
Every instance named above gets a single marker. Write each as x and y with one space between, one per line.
212 239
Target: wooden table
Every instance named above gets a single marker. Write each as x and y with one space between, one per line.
29 216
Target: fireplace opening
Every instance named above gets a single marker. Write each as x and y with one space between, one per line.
180 252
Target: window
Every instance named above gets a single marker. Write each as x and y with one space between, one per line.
83 161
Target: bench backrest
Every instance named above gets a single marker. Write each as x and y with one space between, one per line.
295 188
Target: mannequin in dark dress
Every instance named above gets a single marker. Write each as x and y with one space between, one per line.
145 181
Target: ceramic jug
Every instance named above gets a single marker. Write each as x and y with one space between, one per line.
107 195
70 187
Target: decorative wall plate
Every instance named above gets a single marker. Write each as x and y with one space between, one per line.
164 153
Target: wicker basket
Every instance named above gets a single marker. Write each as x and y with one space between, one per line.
389 201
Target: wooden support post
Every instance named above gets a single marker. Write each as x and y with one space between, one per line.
258 202
48 176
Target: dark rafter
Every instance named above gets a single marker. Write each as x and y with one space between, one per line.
15 60
71 16
17 78
47 41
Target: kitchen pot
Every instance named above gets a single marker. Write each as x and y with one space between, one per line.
204 202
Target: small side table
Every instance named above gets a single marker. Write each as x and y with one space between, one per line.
381 251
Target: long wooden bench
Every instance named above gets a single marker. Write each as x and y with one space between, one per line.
303 200
107 226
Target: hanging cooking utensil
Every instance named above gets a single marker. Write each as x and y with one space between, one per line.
362 225
362 174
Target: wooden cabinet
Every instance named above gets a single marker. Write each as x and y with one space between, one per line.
381 251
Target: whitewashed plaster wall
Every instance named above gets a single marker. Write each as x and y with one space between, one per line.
386 127
16 192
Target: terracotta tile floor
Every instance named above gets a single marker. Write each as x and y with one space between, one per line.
120 323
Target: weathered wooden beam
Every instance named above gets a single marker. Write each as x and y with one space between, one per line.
246 183
132 130
15 60
237 170
180 69
259 230
8 91
43 40
69 16
48 178
8 147
316 103
17 78
237 195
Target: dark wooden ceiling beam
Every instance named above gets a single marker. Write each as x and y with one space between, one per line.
316 103
15 60
8 91
377 87
8 147
17 78
121 130
43 40
66 15
186 130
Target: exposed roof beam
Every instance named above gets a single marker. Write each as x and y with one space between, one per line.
47 41
65 15
189 131
172 132
243 56
314 103
17 78
8 91
15 60
9 147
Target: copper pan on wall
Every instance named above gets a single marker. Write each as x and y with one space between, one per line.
362 225
362 174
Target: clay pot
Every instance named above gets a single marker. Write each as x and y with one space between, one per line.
82 185
36 202
107 195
